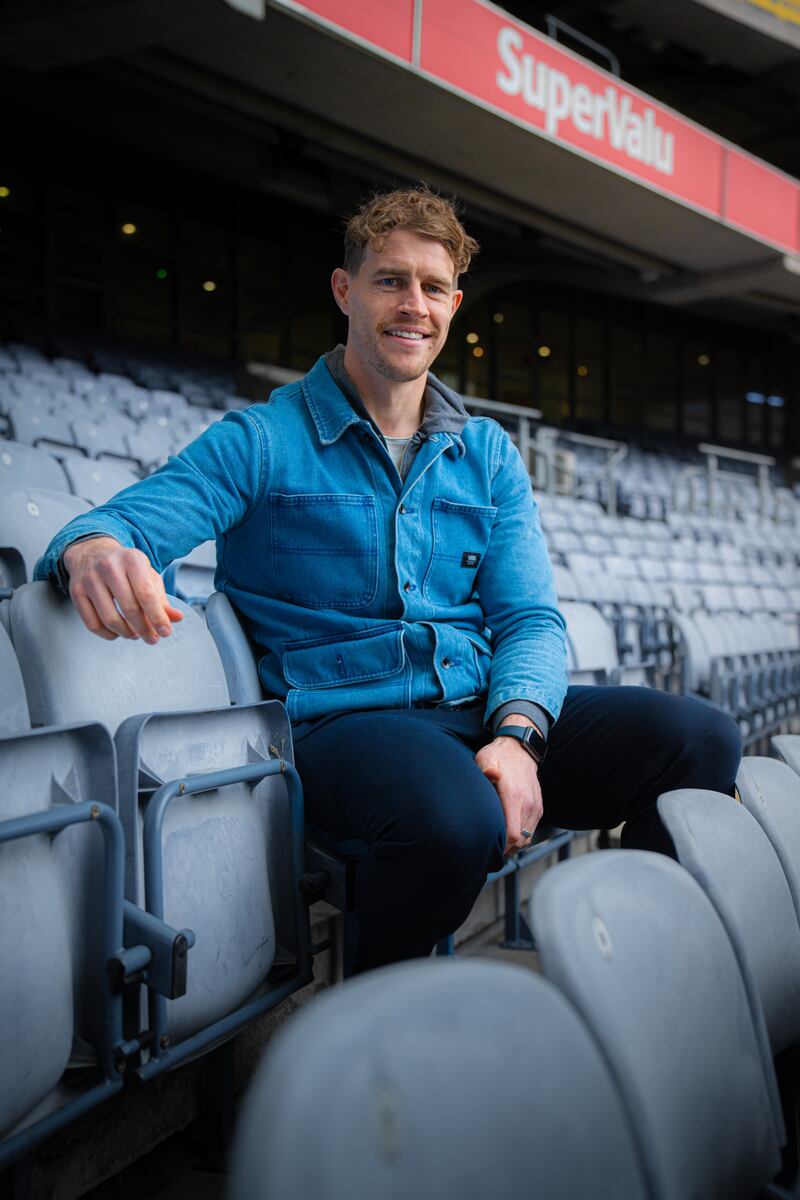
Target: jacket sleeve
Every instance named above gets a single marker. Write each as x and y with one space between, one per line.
517 594
200 493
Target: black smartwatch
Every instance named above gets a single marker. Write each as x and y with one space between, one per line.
530 738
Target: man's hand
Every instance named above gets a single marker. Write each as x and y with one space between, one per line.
515 775
116 591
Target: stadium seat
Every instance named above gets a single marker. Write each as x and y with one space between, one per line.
192 578
210 861
29 518
723 846
61 919
95 481
636 946
27 466
788 747
440 1081
770 791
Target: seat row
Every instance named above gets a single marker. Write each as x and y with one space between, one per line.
653 1059
186 919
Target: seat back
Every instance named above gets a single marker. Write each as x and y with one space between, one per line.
440 1081
235 650
71 675
14 715
592 644
26 466
635 944
788 746
97 482
770 790
731 857
29 518
51 918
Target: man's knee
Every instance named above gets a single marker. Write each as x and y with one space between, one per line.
705 744
466 835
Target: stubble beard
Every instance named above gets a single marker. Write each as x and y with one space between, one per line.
390 370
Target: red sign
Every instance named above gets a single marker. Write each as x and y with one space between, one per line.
478 50
761 200
389 25
486 54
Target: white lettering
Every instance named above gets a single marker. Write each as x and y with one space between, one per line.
509 41
617 116
534 95
582 105
634 136
559 95
601 115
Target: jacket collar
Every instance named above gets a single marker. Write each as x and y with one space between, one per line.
333 411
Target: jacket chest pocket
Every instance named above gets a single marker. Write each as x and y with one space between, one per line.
325 549
460 537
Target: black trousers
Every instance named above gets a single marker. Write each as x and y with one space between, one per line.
401 786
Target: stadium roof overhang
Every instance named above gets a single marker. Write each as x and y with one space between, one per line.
462 94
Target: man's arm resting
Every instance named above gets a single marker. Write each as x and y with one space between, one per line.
116 590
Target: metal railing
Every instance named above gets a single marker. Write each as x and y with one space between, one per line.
770 499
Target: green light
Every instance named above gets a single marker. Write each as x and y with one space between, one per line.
161 273
4 192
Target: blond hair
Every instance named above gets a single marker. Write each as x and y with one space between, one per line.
417 209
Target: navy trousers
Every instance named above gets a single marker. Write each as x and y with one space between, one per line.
403 784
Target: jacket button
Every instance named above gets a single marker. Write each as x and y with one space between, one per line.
447 663
402 510
408 586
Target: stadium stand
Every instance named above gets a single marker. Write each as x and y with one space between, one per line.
683 600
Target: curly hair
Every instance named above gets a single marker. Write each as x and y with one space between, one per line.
417 209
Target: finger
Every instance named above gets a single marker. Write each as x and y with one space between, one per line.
103 596
139 593
90 616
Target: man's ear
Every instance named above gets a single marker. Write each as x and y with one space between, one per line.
457 297
340 284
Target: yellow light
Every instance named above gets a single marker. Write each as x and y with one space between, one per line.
544 352
477 351
4 191
209 286
128 229
472 338
703 359
583 371
498 318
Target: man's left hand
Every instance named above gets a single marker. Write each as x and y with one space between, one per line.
515 775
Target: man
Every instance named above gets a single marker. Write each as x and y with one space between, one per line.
385 550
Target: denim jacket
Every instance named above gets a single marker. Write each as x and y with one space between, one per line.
364 590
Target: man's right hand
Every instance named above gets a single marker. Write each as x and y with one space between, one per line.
117 592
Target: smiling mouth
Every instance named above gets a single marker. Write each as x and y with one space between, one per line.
407 335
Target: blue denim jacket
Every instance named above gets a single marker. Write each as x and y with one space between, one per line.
364 590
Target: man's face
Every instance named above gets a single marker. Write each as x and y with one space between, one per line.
399 303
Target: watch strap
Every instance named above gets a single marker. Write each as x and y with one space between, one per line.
529 737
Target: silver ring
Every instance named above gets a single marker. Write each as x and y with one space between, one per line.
525 834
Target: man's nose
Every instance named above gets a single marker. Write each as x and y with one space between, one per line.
414 300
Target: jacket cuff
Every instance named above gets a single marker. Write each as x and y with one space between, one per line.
526 708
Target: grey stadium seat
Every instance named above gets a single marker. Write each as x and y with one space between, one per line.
29 518
95 481
27 466
638 948
170 708
730 856
57 1027
770 790
788 746
441 1081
